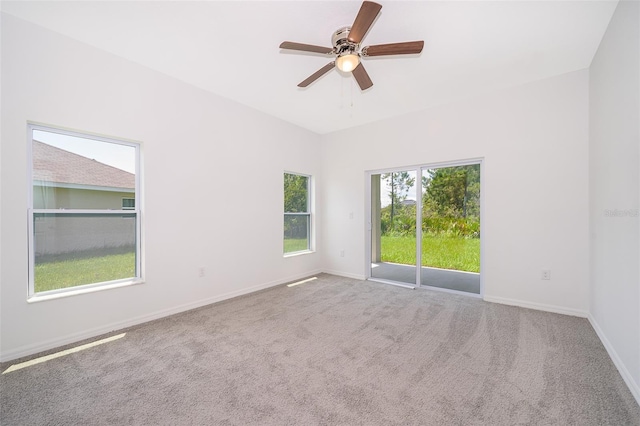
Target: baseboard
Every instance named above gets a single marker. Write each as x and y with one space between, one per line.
98 331
345 274
622 369
538 306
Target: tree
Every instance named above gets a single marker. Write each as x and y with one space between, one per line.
453 191
295 193
400 183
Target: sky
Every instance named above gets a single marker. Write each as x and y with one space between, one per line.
122 157
385 191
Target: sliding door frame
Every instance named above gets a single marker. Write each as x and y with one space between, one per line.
419 169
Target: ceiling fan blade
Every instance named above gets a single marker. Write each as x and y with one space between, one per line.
316 75
405 48
305 47
362 78
367 14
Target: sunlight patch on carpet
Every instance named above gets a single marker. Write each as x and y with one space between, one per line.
45 358
302 282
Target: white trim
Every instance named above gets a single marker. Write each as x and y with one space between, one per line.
360 277
298 253
82 289
31 243
419 198
85 211
80 134
440 165
368 226
622 369
118 325
537 306
483 229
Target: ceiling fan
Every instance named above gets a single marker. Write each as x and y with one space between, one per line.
346 48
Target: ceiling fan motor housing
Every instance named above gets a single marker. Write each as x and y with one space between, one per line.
341 43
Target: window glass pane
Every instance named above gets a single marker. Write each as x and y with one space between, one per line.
77 173
296 193
296 233
77 249
128 204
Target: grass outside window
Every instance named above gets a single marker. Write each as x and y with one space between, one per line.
292 245
66 272
462 254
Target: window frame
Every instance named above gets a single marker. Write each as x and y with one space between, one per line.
308 213
32 295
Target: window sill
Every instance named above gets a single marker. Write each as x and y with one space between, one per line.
85 290
298 253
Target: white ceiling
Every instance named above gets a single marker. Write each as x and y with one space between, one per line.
231 48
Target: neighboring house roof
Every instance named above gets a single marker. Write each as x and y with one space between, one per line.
57 166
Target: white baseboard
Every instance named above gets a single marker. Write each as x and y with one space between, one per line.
97 331
624 372
345 274
538 306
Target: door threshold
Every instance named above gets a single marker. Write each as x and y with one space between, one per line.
448 290
396 283
425 287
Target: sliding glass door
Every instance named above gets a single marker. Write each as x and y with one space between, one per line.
425 227
393 208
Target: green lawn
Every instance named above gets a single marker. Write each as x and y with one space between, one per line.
291 245
462 254
64 273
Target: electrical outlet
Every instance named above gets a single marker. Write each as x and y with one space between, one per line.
341 253
546 274
350 215
201 272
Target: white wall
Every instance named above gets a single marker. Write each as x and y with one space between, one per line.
615 185
534 140
212 186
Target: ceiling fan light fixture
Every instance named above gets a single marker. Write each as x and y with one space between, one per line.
347 62
346 48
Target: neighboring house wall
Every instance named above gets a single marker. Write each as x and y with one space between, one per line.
69 235
614 180
47 197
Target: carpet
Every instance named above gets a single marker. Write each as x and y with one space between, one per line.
333 351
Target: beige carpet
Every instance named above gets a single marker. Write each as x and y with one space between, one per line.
333 351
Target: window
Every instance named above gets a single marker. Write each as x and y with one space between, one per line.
84 221
297 215
128 204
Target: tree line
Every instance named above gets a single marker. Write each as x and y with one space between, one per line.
450 202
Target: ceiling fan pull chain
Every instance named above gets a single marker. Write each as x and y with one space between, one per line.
351 85
351 109
341 93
